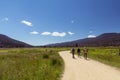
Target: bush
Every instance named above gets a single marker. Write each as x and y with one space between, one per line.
45 56
30 64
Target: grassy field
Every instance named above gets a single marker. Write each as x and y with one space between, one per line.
106 55
45 63
31 64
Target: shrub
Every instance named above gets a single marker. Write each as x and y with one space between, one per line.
45 56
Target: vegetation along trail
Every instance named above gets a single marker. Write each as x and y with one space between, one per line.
81 69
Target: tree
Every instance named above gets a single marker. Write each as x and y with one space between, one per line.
76 45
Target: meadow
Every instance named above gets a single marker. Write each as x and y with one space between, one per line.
106 55
45 63
30 64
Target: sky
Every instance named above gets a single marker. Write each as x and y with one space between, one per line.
40 22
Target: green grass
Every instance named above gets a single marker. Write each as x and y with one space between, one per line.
105 55
30 64
45 63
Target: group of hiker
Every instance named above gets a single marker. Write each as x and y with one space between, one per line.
85 52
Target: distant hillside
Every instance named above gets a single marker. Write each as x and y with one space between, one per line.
7 42
106 39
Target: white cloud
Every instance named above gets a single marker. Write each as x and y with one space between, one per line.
34 32
59 34
72 21
70 33
56 34
91 36
26 23
46 33
5 19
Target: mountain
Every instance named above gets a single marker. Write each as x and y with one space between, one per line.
106 39
7 42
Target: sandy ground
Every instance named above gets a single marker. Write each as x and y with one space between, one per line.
81 69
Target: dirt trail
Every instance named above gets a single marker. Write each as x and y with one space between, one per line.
80 69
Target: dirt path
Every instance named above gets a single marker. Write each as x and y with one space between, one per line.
80 69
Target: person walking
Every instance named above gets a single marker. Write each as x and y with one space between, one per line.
78 52
73 52
85 52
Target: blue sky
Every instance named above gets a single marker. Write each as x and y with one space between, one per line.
40 22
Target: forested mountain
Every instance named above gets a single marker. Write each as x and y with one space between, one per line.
106 39
7 42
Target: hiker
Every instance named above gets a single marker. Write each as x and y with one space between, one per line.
73 52
85 52
78 52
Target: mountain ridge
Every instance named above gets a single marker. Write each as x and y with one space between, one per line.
105 39
7 42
